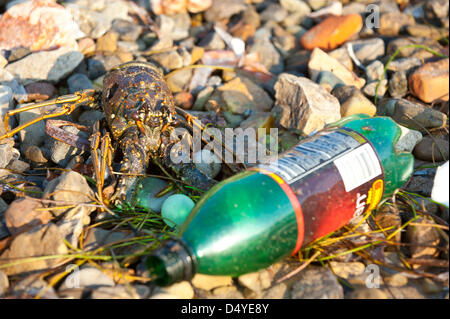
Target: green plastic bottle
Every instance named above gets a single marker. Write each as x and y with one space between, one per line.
266 213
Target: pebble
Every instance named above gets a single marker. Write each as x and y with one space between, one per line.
353 101
412 52
273 12
96 68
209 282
228 292
18 166
146 195
60 152
90 117
329 81
256 281
396 280
176 209
79 82
241 94
40 91
39 241
3 61
366 293
398 84
316 283
342 55
416 116
118 292
185 100
321 61
391 23
179 81
420 236
429 287
97 237
38 25
408 140
31 286
182 23
51 66
332 32
6 102
261 44
347 269
431 81
95 17
212 41
421 185
87 46
436 9
107 43
126 30
22 215
33 134
370 89
297 6
259 120
182 290
374 71
6 154
4 283
298 96
88 277
221 10
432 149
207 162
71 187
404 64
425 31
368 50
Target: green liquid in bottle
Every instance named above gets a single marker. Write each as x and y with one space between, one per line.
264 214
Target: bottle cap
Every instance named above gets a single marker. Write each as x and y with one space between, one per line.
172 262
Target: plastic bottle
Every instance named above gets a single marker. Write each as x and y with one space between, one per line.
257 217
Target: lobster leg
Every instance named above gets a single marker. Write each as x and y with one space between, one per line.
67 104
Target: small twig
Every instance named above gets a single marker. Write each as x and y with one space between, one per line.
299 269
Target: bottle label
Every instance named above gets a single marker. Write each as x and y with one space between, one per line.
331 177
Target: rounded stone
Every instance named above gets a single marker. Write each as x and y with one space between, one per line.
176 209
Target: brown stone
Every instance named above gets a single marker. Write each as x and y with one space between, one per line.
87 46
431 81
22 215
40 91
432 150
185 100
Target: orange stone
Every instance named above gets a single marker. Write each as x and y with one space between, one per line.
430 81
332 32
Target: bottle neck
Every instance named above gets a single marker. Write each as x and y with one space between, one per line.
172 262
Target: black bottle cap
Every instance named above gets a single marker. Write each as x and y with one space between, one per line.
172 262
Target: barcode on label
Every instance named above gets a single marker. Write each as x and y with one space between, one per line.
358 166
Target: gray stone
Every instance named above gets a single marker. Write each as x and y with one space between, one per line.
404 65
398 84
127 30
270 57
87 277
208 163
392 23
45 65
90 117
33 134
42 240
329 81
274 12
6 154
432 149
79 82
96 68
212 41
368 50
370 89
316 283
61 153
4 283
366 293
342 55
436 9
306 106
417 116
223 9
182 23
32 286
408 140
98 237
412 52
297 6
6 103
374 71
96 17
69 187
